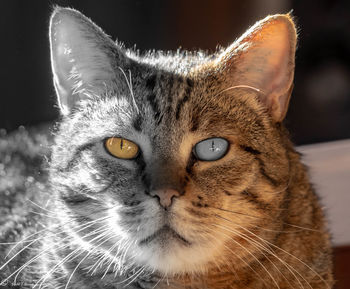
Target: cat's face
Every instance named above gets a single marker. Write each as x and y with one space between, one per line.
206 160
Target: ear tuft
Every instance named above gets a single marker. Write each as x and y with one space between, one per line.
263 58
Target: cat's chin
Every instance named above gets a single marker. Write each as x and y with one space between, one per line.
170 254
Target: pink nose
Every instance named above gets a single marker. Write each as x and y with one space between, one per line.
165 196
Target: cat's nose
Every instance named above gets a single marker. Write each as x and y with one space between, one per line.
165 196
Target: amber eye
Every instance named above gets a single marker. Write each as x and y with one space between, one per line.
121 148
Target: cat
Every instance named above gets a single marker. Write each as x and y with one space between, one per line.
166 170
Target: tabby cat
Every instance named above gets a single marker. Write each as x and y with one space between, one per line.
166 170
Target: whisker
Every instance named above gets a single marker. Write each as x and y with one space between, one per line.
51 247
81 261
240 86
123 256
265 218
136 273
68 257
17 271
160 280
50 230
43 278
268 250
286 252
40 207
291 255
235 254
98 263
37 239
129 83
257 260
43 215
112 258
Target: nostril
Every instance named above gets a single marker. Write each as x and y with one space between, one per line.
165 196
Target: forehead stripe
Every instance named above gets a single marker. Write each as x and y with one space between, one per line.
185 98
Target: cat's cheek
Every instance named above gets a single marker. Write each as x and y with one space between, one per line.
86 176
134 223
216 187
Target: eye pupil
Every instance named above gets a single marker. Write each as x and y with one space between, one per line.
212 146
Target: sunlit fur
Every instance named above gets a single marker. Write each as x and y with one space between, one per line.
247 220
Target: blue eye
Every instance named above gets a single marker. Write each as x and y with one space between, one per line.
211 149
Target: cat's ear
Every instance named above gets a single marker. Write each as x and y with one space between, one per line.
263 58
82 57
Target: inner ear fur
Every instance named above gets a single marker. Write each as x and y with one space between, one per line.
263 58
83 58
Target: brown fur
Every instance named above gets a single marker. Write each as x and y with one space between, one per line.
284 212
284 240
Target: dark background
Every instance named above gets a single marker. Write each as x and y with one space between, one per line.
320 105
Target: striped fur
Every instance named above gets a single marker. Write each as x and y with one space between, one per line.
248 220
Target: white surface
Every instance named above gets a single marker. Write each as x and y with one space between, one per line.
329 165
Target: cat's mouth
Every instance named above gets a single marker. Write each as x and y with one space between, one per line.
164 235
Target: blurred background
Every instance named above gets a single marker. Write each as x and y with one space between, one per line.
320 105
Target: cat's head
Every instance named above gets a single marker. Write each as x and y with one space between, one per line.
166 159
